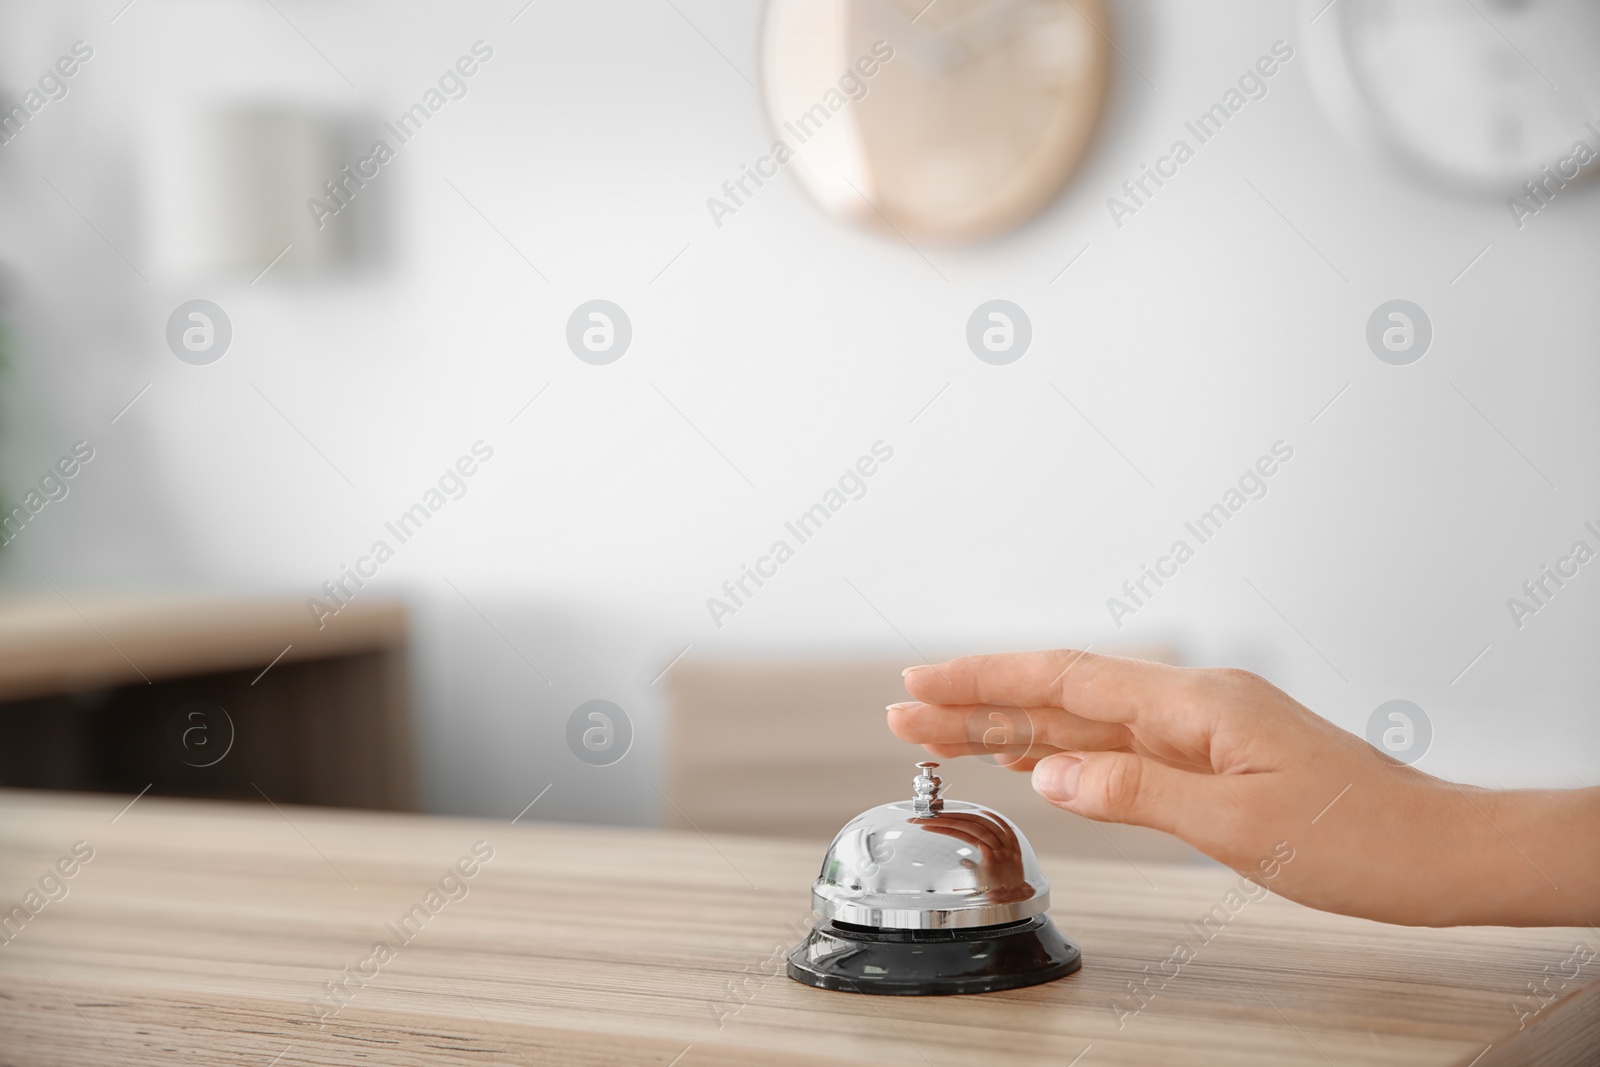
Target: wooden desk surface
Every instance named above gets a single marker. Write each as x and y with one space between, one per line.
201 932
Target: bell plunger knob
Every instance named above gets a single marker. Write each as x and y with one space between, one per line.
926 789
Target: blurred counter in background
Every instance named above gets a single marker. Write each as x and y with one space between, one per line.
205 697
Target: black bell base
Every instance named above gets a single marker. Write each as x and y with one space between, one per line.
921 963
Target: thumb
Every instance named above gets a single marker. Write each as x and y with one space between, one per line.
1127 788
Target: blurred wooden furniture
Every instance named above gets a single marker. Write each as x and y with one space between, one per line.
211 932
96 693
797 748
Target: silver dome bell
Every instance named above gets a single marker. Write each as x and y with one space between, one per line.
928 896
929 864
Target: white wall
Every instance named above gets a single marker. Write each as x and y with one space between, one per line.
1194 337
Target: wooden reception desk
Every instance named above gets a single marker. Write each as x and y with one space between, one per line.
226 933
92 684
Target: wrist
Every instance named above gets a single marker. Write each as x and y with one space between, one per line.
1528 857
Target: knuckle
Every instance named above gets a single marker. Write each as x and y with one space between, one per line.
1223 690
1120 781
982 663
1068 667
1234 679
1186 694
967 678
1063 658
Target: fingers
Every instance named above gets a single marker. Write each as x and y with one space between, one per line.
1004 756
1128 788
1020 761
1007 761
969 828
1008 730
960 835
981 827
1102 688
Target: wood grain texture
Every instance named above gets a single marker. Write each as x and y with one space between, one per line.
200 932
91 641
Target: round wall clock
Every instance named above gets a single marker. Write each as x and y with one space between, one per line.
950 119
1481 93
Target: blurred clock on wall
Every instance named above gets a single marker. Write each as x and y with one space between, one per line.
1479 93
955 119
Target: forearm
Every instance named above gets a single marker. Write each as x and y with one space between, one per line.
1532 857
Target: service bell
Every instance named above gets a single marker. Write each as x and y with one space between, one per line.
931 896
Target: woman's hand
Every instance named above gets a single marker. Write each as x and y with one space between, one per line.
1002 852
1241 771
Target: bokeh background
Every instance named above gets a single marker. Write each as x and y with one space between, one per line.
768 354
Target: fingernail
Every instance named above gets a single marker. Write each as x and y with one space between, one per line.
918 667
897 707
1056 778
